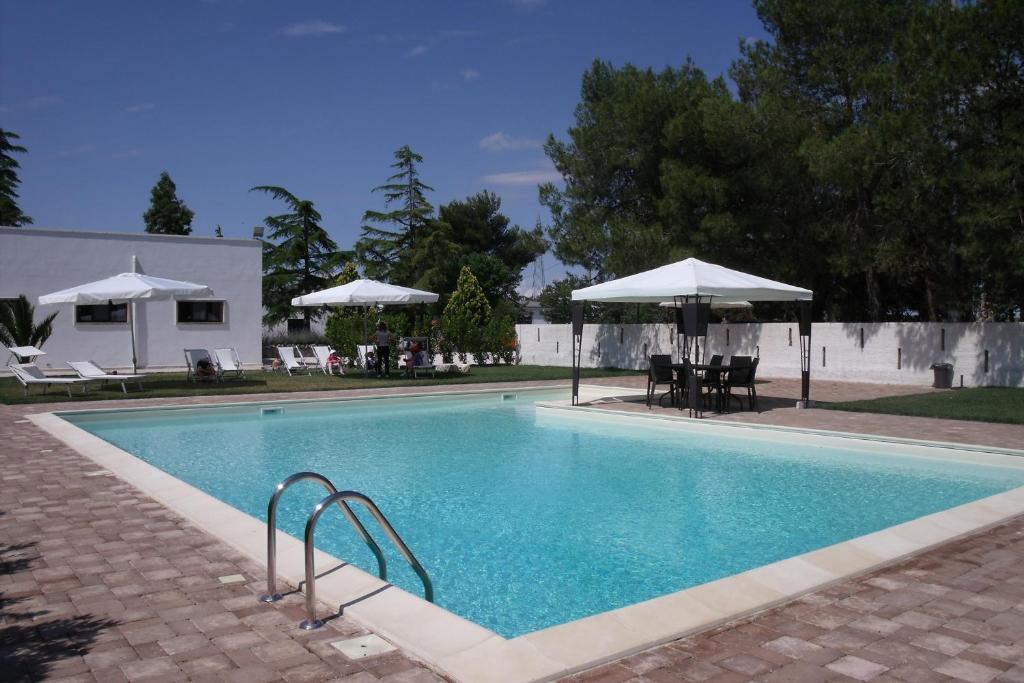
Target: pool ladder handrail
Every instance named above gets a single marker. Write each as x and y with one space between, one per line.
272 595
311 622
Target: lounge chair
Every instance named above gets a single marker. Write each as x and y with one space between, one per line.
87 369
192 359
660 372
361 353
29 374
454 366
322 353
290 360
228 361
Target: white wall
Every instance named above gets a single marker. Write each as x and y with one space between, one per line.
37 261
893 353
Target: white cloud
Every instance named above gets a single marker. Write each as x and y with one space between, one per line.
311 28
33 103
136 108
418 50
521 178
470 75
501 142
76 151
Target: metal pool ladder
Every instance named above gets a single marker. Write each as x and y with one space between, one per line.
340 499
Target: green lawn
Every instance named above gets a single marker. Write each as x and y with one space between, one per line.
174 384
987 404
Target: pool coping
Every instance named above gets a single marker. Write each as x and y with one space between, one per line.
467 651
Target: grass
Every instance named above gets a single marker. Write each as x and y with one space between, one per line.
161 385
985 404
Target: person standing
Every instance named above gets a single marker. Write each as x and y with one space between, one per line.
382 338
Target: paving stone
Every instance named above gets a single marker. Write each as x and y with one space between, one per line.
151 580
855 667
968 671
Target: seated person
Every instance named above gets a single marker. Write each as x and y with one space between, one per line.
419 359
204 368
371 361
334 363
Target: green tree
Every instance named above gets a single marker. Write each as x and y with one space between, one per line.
386 234
18 326
303 260
473 232
167 214
10 213
606 219
466 317
555 300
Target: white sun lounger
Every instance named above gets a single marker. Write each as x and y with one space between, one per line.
290 360
29 374
361 352
228 361
192 358
86 369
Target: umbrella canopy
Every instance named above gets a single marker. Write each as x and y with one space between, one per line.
125 287
365 293
691 277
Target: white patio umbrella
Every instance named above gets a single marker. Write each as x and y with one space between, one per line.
708 283
126 288
365 293
691 277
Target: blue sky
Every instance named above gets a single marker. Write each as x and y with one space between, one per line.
314 96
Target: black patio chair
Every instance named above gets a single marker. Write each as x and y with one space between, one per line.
658 373
742 376
712 380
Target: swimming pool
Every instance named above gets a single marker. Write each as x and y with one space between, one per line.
526 520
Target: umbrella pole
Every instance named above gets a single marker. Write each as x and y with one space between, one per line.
131 327
366 366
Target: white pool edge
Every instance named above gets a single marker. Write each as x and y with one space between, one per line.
469 652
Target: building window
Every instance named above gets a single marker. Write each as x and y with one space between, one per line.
102 313
297 325
200 311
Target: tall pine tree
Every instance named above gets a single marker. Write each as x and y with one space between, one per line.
305 259
167 214
387 233
10 214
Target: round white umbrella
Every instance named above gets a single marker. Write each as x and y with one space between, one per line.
365 293
126 288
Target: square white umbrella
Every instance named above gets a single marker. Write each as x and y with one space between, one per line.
126 288
365 293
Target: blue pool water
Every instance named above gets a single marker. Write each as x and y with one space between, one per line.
523 522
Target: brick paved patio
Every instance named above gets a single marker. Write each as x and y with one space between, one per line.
100 583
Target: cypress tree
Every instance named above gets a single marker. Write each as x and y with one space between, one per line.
167 214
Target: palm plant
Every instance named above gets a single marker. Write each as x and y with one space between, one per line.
17 324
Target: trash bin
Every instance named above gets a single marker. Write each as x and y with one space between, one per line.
943 375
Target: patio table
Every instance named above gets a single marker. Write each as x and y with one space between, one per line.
699 370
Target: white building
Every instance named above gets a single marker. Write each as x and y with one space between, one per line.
37 261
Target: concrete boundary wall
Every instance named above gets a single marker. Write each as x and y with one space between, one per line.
983 354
